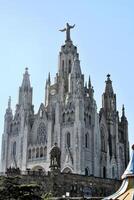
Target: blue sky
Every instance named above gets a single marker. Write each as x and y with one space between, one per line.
104 35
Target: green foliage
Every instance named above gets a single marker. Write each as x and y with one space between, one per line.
10 188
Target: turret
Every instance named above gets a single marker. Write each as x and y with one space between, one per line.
48 83
89 83
108 97
110 113
90 88
25 91
124 134
8 117
123 117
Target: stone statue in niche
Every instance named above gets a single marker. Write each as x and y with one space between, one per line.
55 157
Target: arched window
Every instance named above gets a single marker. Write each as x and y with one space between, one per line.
41 133
37 152
120 153
89 119
113 172
33 153
41 152
45 151
72 115
67 170
68 140
14 149
29 154
104 172
87 140
69 66
69 119
103 140
86 171
11 128
63 117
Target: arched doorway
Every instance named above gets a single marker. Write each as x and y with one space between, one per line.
38 168
67 170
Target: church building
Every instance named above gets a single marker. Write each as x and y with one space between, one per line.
91 143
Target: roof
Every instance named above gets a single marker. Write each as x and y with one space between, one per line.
126 191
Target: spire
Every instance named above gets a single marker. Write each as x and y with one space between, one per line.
89 82
49 78
109 97
123 111
25 91
9 110
9 103
108 88
123 117
26 80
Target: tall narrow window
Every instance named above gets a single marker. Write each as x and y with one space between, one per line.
41 152
87 140
89 119
37 152
103 140
113 172
68 139
33 153
14 149
69 66
63 117
29 154
104 172
45 151
86 171
63 66
41 133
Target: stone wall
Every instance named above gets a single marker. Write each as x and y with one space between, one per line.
76 185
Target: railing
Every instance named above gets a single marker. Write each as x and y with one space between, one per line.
12 172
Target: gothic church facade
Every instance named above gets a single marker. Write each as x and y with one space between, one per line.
91 143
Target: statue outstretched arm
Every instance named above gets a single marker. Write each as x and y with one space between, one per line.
72 26
62 30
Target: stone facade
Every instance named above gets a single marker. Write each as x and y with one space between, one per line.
91 143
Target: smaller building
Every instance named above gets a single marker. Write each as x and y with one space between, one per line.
126 191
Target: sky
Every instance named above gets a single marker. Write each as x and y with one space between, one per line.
103 34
